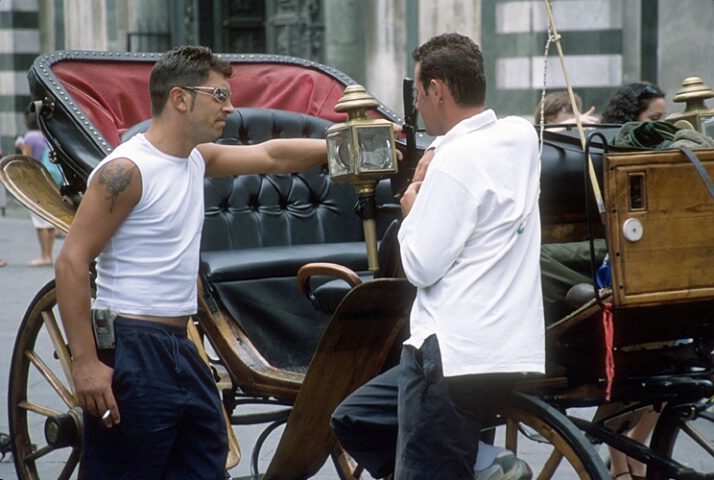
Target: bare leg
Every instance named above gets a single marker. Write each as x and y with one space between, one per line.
640 432
619 462
618 465
46 236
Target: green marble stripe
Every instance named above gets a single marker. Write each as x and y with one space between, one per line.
600 42
14 103
20 62
24 20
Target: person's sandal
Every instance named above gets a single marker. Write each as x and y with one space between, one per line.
620 474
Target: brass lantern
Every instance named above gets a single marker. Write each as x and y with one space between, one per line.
361 152
696 115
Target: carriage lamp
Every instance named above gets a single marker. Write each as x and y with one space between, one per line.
696 115
361 152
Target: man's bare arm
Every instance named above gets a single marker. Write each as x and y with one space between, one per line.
112 194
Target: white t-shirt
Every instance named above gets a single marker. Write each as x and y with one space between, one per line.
471 244
150 266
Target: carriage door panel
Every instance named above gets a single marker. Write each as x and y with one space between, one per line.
660 227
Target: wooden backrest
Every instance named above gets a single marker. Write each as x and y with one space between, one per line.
351 352
660 227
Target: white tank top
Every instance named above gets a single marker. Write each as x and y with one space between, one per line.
150 266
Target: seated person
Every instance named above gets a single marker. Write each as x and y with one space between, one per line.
556 109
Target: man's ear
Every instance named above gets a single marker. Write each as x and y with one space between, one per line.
438 87
179 99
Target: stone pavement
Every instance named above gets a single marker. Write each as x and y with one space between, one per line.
18 286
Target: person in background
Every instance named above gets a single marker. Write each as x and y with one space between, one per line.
33 144
635 102
557 109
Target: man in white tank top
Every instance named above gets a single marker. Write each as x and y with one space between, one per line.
141 219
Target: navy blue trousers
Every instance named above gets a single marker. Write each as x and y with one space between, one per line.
172 424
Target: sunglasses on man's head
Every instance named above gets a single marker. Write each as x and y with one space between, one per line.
219 94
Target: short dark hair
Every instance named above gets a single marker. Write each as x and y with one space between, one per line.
458 62
629 102
181 66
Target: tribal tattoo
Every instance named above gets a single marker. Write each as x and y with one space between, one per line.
116 180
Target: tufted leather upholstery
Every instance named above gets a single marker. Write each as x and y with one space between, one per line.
260 229
254 211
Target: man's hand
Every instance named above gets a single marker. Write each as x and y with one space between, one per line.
409 197
93 387
423 165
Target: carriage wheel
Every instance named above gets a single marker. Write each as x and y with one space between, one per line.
685 434
538 433
45 421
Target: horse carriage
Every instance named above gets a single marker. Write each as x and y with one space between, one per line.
291 318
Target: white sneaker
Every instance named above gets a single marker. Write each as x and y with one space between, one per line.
506 466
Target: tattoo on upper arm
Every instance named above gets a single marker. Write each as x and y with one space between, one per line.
116 180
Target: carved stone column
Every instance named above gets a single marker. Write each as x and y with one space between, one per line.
345 37
85 25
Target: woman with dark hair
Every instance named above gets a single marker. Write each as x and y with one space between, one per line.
635 102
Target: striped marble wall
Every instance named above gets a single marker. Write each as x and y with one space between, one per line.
19 46
593 39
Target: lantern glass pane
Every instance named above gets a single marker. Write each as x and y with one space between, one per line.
376 149
339 152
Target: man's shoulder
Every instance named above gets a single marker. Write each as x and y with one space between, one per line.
514 121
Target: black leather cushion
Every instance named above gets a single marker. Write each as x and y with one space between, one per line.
327 295
284 261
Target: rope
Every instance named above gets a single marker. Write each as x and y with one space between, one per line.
551 39
553 33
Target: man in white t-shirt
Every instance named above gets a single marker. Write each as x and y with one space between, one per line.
470 243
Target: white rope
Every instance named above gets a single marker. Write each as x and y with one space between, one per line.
551 38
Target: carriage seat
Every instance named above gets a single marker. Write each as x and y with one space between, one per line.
260 229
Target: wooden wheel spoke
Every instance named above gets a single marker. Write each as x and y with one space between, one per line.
71 465
57 338
701 440
551 465
33 407
39 453
51 378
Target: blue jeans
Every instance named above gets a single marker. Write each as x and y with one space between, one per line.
172 424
